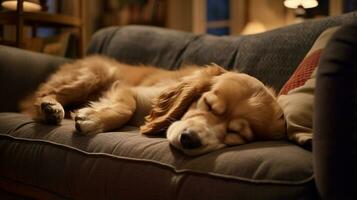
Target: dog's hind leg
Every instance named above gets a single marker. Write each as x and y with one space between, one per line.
111 112
71 84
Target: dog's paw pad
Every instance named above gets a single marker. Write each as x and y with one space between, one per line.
52 113
87 125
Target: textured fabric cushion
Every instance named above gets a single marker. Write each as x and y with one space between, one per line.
142 45
124 164
21 72
298 112
270 56
297 97
303 72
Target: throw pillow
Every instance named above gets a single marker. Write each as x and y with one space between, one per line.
297 96
303 72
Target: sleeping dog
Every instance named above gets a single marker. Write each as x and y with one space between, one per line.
201 109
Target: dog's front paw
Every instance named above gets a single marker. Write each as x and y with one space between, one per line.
87 123
51 112
303 139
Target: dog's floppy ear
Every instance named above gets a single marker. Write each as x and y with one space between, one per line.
174 101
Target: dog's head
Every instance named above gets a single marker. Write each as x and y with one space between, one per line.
214 108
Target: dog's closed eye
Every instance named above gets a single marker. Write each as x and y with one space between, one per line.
211 103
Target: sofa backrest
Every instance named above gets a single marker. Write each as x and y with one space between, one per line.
271 56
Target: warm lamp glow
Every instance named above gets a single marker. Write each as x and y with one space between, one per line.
304 3
28 6
253 27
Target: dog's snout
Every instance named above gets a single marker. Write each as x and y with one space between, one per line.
190 140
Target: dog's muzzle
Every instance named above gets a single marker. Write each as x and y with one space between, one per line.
190 140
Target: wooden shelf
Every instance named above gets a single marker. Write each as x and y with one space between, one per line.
40 18
19 18
7 43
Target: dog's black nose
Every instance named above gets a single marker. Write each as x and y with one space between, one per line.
190 140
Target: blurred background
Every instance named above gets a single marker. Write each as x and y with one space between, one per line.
64 27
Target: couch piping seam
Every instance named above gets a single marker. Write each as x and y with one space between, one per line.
176 171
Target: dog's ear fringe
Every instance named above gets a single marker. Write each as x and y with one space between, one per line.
174 102
272 90
213 69
164 101
169 107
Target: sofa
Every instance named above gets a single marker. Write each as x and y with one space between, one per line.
39 161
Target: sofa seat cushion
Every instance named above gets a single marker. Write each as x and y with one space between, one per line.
125 164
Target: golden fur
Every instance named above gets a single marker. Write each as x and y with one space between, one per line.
201 109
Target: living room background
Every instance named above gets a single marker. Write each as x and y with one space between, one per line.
217 17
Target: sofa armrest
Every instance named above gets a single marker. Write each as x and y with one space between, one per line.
21 72
335 139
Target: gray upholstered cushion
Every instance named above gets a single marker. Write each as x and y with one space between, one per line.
120 165
21 72
270 56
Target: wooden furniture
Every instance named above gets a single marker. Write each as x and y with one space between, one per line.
20 18
150 12
191 16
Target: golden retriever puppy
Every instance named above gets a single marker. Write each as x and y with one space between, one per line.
200 109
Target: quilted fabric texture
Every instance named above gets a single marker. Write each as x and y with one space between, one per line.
303 72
